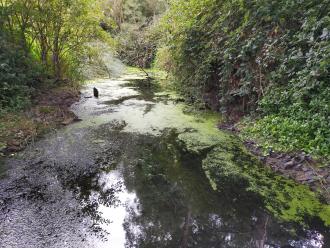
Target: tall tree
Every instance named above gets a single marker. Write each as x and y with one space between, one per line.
58 30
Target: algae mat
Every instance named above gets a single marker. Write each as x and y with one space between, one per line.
141 170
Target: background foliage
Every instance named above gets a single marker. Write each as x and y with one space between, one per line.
271 57
40 40
18 73
136 44
266 58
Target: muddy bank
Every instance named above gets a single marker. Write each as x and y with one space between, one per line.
300 167
50 110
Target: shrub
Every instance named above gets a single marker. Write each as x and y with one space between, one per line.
272 57
18 74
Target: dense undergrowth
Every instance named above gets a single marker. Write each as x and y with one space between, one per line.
44 47
19 72
270 58
44 41
133 21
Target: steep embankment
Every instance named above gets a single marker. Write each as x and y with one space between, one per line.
265 57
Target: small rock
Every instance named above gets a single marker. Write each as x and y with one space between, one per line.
287 158
13 149
311 180
279 156
300 158
77 119
328 179
308 158
14 143
140 163
289 165
306 177
67 121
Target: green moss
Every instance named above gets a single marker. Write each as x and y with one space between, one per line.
202 134
293 202
235 169
221 170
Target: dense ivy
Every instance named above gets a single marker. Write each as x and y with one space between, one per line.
270 56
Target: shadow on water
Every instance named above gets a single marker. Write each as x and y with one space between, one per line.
129 178
146 87
165 200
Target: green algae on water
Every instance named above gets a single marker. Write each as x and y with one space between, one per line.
227 164
284 198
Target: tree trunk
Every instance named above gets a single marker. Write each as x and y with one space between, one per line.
56 56
260 230
57 65
44 51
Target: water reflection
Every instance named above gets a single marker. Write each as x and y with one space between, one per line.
121 178
155 194
260 230
116 214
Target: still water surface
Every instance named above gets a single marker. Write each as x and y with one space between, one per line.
121 178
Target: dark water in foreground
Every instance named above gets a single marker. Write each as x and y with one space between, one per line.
121 178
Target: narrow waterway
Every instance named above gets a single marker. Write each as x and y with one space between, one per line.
131 174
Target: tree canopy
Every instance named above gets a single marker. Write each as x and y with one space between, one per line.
44 39
55 32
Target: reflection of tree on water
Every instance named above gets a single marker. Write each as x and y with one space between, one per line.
260 230
175 205
178 208
186 229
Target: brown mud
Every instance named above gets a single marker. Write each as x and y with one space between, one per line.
50 110
299 166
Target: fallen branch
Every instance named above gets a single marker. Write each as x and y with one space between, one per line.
144 72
